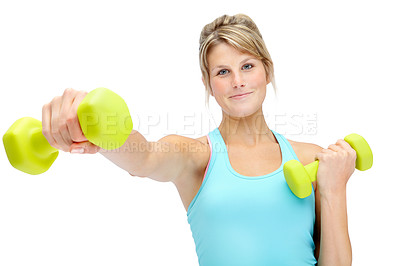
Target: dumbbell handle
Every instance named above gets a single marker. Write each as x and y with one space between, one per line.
312 169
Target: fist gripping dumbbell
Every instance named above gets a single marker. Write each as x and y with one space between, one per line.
299 177
104 119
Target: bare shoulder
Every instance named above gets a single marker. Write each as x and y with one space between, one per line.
203 154
305 151
197 152
203 140
200 153
196 149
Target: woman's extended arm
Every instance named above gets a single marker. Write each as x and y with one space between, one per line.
165 160
169 158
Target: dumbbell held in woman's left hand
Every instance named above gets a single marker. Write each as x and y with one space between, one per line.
299 177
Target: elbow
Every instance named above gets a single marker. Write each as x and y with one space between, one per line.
139 172
137 175
342 257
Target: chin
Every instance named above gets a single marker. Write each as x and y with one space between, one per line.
241 111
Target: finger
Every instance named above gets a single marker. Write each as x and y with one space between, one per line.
325 151
345 145
84 147
55 124
334 147
74 126
67 99
46 126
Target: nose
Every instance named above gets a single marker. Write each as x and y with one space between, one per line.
238 81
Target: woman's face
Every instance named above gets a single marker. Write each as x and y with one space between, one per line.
238 80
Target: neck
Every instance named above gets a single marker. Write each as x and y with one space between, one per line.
250 130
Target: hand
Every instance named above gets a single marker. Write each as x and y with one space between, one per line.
336 165
60 124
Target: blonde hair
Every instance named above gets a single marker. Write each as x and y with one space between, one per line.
241 32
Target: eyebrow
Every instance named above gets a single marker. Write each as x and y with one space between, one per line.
241 62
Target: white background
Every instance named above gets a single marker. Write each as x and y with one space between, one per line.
336 67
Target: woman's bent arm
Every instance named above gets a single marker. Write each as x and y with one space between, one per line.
331 237
336 165
335 247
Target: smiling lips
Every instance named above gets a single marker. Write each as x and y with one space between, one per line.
240 96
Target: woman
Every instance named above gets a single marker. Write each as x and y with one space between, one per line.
231 182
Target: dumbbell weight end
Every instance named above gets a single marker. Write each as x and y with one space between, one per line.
299 177
26 147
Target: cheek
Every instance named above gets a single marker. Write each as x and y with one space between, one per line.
218 86
261 79
259 83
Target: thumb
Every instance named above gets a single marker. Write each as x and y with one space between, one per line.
84 147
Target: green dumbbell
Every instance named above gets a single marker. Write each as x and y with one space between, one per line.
299 177
103 116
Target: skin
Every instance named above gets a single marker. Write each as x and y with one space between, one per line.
245 133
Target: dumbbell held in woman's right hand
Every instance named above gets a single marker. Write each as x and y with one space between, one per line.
104 119
299 177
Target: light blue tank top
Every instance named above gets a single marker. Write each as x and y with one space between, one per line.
254 221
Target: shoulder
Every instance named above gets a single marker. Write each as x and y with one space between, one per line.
193 148
204 155
305 151
203 140
196 152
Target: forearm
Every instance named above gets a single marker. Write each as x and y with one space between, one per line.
132 155
335 248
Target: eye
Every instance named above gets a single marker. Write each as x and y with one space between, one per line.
247 66
223 72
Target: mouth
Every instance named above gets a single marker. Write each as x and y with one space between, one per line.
240 96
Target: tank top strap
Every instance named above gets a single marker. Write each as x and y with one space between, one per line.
217 142
286 149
